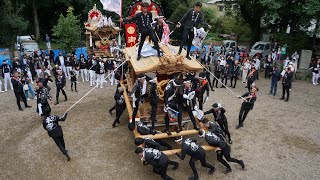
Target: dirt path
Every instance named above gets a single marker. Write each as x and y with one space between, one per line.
279 141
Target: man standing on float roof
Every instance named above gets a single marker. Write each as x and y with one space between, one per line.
144 20
191 19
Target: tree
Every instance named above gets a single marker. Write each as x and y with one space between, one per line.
67 30
12 23
252 11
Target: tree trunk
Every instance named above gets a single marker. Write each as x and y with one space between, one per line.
256 33
35 20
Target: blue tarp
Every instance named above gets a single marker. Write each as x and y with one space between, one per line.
4 54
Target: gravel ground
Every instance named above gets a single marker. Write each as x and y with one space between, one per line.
280 140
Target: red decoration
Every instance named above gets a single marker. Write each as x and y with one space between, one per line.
94 14
131 34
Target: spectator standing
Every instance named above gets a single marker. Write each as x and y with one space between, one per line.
286 83
17 83
48 41
6 74
275 77
315 72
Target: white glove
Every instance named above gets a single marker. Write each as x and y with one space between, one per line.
191 95
209 26
165 109
206 99
178 25
196 108
185 96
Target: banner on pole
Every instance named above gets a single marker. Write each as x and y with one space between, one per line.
131 34
199 36
112 5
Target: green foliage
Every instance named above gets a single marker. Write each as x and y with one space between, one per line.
295 42
12 22
67 31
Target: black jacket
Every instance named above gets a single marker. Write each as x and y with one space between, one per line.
17 85
61 81
186 102
215 140
83 63
57 60
68 61
143 21
253 76
287 79
250 103
170 95
16 65
100 68
153 93
150 143
43 95
73 75
190 147
192 19
235 70
217 70
219 115
51 124
143 129
155 157
110 65
201 88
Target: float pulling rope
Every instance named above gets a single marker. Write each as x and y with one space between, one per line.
94 88
220 81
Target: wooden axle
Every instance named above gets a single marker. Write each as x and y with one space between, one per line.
205 147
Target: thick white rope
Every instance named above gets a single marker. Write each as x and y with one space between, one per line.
93 88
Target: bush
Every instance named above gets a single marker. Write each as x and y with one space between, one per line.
67 31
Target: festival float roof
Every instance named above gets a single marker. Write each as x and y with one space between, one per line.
168 64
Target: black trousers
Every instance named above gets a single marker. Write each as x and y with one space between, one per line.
233 78
60 143
20 95
113 108
216 80
119 111
187 38
63 92
163 143
154 108
188 109
201 155
74 83
224 127
267 71
134 113
224 80
200 101
153 38
284 90
226 153
243 114
209 81
162 171
249 83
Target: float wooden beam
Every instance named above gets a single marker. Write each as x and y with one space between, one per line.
174 134
205 147
128 105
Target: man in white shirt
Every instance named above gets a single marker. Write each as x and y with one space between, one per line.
257 66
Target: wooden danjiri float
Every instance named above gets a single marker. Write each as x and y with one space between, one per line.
166 66
100 33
